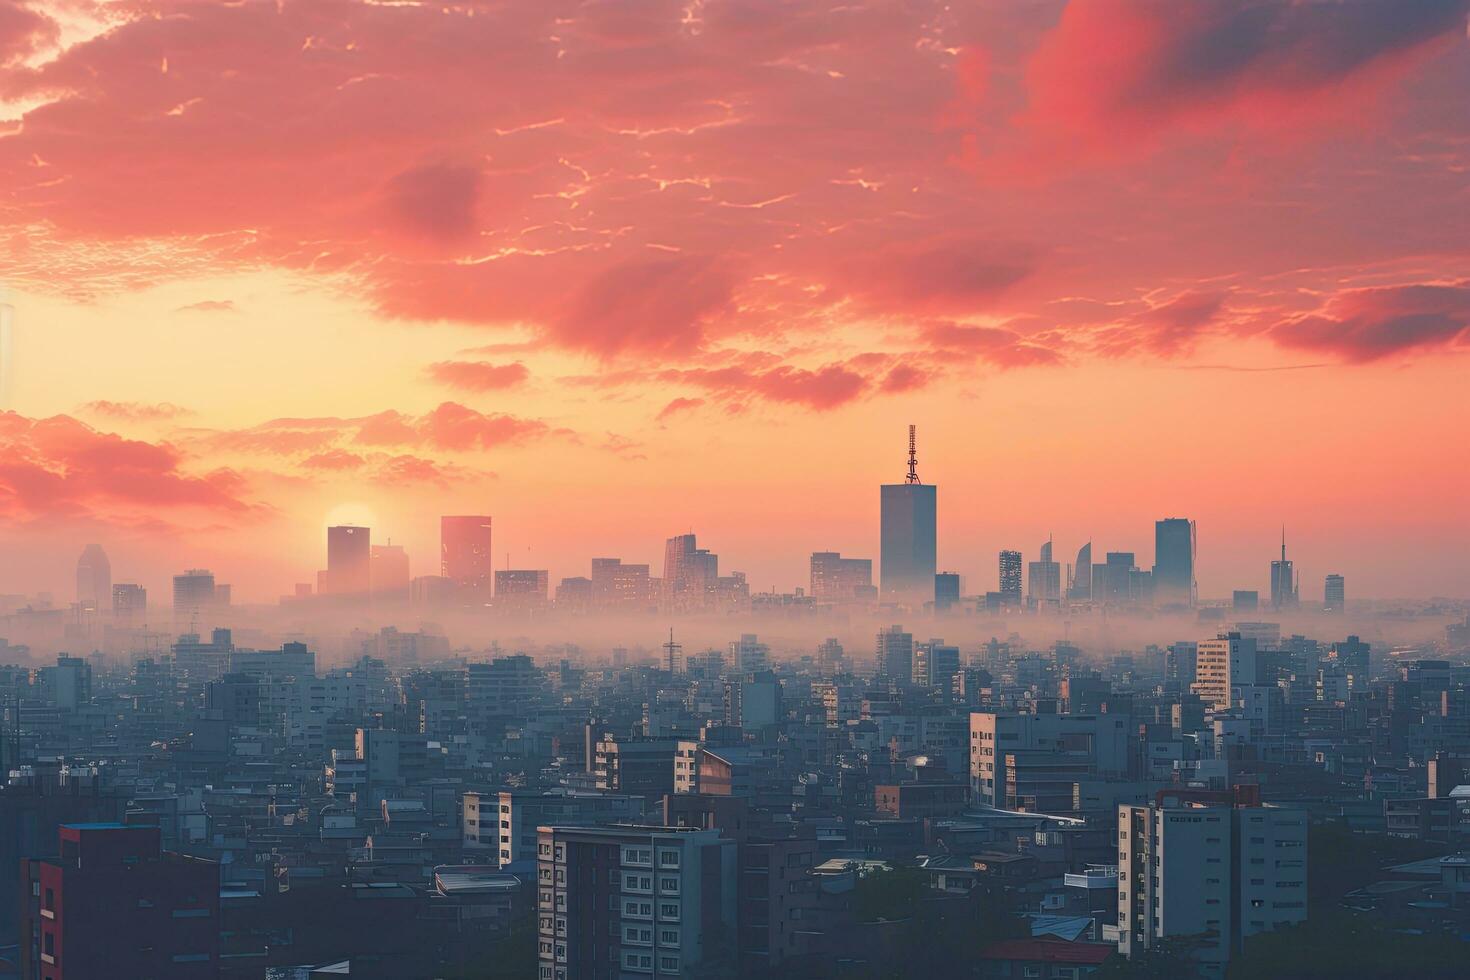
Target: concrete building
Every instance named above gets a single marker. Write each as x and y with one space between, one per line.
908 538
507 822
1227 661
1033 761
464 556
631 902
1208 869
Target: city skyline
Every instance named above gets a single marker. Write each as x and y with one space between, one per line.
1233 296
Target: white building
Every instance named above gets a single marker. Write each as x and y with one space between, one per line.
1214 871
1227 661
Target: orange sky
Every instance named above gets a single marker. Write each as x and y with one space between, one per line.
612 271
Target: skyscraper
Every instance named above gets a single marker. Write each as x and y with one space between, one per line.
895 656
946 590
194 594
94 578
1010 578
1283 580
907 558
390 571
1174 552
1334 594
691 573
464 555
1044 579
838 579
349 561
129 602
1080 588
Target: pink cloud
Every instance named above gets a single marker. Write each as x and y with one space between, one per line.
135 411
1362 325
479 375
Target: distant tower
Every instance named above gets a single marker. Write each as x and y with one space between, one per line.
1174 560
1334 598
94 578
907 546
1283 579
671 653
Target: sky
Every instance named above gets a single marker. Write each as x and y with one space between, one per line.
611 271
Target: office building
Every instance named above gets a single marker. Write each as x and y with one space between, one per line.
1245 600
1044 580
1034 761
691 573
195 595
1208 869
894 656
935 664
634 765
1334 594
838 579
946 591
1174 558
389 572
1010 579
94 579
1283 580
1225 662
465 558
908 538
522 588
616 585
349 562
631 901
749 654
129 603
752 700
113 904
507 822
1080 588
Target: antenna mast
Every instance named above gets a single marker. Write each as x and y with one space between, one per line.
671 650
913 476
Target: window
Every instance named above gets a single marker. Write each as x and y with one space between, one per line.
668 884
670 937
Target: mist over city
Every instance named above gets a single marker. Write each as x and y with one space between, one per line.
781 489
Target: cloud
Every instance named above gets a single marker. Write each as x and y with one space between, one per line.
436 202
676 406
1114 76
23 30
479 375
335 460
960 276
1362 325
58 468
209 306
819 389
658 304
134 411
906 377
997 346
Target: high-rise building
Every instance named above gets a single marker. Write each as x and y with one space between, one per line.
522 587
114 904
616 585
1044 580
895 656
1283 580
1010 579
507 822
838 579
631 901
1080 588
1334 594
1174 555
94 578
1209 870
691 573
908 537
349 570
1033 761
935 664
749 654
1225 662
194 594
465 558
389 567
946 590
129 603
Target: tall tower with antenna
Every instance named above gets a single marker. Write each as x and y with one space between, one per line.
908 545
913 476
1283 579
671 653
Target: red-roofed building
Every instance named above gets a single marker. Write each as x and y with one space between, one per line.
1043 959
